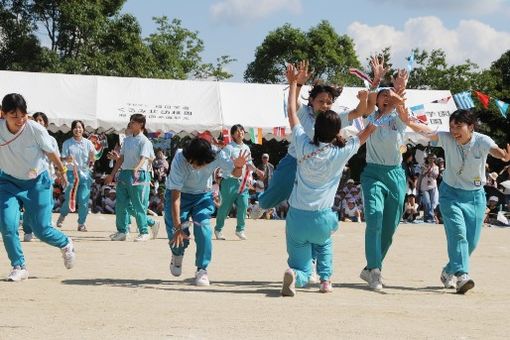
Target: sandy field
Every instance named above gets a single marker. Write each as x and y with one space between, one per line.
124 290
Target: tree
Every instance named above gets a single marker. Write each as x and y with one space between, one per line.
93 37
330 55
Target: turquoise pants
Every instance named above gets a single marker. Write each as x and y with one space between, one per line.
146 195
229 191
200 208
82 197
310 232
36 195
281 184
463 212
384 189
127 194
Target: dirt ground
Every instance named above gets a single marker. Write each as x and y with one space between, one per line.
125 290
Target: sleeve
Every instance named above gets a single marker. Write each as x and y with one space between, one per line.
401 126
122 151
487 143
55 145
65 149
42 138
224 162
177 175
299 138
442 138
145 150
344 119
352 146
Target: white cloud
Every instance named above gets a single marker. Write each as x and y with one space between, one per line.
243 11
463 6
471 39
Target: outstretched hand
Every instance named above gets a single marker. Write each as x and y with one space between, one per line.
378 70
395 100
400 81
303 73
241 160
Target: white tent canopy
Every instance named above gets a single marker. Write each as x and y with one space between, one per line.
105 103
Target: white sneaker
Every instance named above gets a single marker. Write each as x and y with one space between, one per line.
176 265
129 228
60 221
364 275
201 278
218 235
241 235
289 283
155 230
28 237
82 227
141 238
314 278
118 236
448 280
18 274
375 279
464 283
68 254
326 287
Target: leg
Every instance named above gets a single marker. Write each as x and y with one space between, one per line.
64 209
298 249
393 206
228 192
82 198
324 254
374 192
281 184
473 215
186 204
427 205
201 214
242 207
122 203
9 223
38 205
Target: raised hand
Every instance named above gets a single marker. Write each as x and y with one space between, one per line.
362 95
395 100
303 73
378 70
241 160
291 73
400 81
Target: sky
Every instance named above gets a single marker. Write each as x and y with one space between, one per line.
478 30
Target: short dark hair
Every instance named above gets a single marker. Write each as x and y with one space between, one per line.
236 127
327 127
139 118
463 116
43 116
317 89
13 102
76 122
199 151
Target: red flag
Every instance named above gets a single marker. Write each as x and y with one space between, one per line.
484 99
206 135
279 131
226 136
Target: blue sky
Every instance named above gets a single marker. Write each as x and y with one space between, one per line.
478 30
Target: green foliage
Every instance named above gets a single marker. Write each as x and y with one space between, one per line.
329 54
92 37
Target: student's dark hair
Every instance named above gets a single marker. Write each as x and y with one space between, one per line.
327 128
139 118
75 123
199 151
463 116
236 127
318 88
13 102
43 116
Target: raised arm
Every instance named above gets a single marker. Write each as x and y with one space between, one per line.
303 74
379 71
292 100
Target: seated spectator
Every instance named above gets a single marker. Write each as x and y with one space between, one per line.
160 166
411 209
492 211
109 202
156 203
351 212
349 186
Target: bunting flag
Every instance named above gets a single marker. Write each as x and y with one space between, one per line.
225 134
484 99
463 100
279 131
502 106
256 135
361 75
419 113
410 62
442 100
100 143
